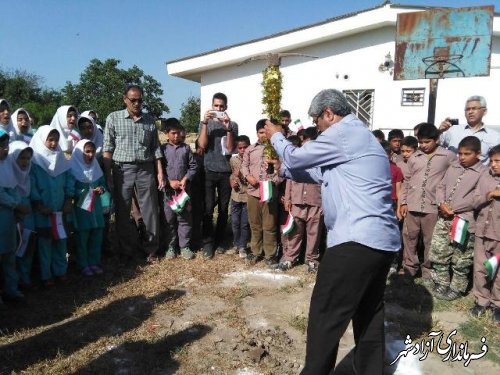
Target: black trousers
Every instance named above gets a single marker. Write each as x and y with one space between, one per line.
350 285
216 182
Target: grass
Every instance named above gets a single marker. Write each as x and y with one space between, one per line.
476 328
299 322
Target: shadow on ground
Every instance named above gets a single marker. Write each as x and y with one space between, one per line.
64 339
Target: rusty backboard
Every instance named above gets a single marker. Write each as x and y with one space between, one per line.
443 43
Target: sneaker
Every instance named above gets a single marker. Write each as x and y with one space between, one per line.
170 254
152 258
232 251
187 253
242 252
251 259
96 269
496 315
285 265
87 271
448 294
478 310
312 266
220 250
208 251
272 263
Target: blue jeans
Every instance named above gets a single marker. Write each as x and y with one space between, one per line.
239 223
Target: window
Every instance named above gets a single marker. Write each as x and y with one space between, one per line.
412 97
361 102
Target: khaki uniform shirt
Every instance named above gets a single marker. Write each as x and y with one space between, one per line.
488 218
241 194
425 171
457 190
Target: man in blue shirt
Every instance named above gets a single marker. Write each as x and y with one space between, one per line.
363 235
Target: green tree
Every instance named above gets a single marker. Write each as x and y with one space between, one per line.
24 89
101 88
190 114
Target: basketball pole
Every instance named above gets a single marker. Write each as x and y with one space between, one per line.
433 90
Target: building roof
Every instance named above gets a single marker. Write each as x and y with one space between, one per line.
191 67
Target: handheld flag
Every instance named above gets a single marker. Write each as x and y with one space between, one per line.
265 191
58 231
87 200
287 228
459 229
492 265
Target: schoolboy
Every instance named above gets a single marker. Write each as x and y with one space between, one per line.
262 216
303 202
180 170
426 168
239 212
409 145
396 176
487 244
394 138
455 196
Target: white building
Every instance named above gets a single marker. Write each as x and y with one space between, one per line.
349 51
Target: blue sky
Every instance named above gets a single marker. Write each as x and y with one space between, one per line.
56 39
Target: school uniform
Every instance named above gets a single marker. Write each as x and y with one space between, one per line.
261 216
419 194
239 211
456 189
487 244
60 123
51 184
9 199
89 225
24 137
24 263
308 220
180 163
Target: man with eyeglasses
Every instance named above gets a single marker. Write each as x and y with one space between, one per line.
131 152
453 133
363 235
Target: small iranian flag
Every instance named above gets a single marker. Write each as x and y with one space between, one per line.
265 191
178 202
287 228
182 199
459 229
58 231
492 265
87 200
74 135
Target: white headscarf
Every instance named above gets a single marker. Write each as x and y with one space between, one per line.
52 162
19 135
60 122
7 178
97 137
22 175
8 128
82 171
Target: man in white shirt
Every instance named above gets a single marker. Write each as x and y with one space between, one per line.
475 109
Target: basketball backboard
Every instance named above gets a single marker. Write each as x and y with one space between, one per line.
443 43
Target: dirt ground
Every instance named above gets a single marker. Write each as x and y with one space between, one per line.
206 317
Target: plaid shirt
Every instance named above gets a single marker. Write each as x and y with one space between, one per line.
129 141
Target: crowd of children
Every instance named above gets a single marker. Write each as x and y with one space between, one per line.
52 186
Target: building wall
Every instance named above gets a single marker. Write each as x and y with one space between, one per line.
349 63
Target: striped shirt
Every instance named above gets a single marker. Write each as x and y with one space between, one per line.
131 141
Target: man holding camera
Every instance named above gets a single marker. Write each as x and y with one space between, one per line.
453 133
216 136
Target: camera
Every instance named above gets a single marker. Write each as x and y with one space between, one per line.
218 114
453 121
